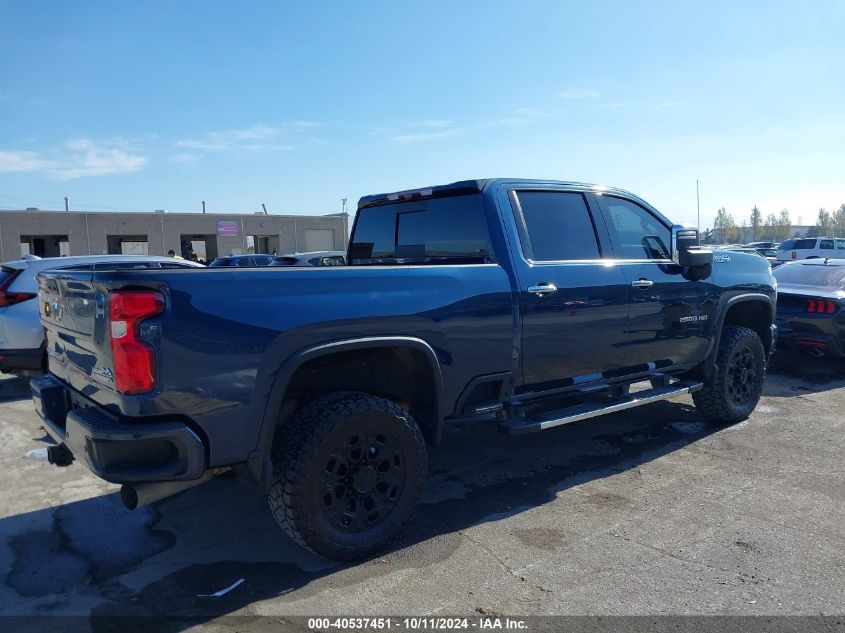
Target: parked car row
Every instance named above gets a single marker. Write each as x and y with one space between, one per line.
257 260
22 348
21 334
768 253
792 249
338 382
811 248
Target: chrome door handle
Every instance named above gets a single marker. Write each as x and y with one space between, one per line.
642 283
543 288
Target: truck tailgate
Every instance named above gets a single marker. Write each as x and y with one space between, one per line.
74 318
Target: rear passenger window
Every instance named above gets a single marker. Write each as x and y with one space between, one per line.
557 226
639 234
245 262
825 244
450 230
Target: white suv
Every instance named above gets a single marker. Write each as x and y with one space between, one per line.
21 334
811 247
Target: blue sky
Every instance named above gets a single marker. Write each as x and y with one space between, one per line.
151 105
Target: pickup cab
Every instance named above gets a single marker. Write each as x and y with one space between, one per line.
525 304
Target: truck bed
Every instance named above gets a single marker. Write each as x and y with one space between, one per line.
267 316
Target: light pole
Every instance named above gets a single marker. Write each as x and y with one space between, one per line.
698 210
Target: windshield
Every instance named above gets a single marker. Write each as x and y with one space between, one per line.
822 276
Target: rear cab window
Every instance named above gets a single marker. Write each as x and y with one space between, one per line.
446 230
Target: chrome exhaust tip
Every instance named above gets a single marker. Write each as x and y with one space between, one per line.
136 496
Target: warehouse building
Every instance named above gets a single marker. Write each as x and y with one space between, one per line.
204 236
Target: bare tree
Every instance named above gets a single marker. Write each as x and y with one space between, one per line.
756 222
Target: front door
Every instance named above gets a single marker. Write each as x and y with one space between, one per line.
671 314
573 303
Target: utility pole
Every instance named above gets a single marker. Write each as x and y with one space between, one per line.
203 206
66 204
264 206
698 210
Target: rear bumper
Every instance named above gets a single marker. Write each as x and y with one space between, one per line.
12 360
114 450
805 339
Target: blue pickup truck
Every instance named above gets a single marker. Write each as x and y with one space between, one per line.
527 304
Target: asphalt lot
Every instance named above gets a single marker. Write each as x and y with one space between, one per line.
646 512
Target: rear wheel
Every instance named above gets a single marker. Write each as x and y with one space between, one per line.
349 470
735 389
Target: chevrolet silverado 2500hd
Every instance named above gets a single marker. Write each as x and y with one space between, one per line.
526 303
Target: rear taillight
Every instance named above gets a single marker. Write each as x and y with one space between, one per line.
134 359
821 306
11 298
794 255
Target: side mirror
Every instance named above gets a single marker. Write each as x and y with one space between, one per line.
685 248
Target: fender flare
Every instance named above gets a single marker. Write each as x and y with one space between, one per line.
710 361
259 462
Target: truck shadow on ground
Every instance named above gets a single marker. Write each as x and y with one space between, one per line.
14 388
147 569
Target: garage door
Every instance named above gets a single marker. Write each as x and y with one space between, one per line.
319 240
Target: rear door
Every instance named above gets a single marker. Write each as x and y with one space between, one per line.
572 303
671 314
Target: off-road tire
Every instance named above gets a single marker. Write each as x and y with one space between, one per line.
302 454
718 400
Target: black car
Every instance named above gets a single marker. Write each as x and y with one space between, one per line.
810 315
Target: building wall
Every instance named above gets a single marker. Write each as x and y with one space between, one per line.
88 232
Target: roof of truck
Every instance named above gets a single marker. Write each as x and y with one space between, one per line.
462 187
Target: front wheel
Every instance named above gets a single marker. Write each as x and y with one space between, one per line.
348 473
735 389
